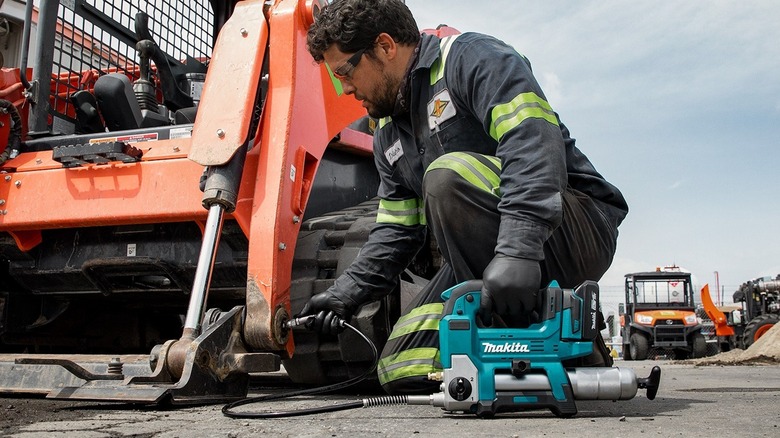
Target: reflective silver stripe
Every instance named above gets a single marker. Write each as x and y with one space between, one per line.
405 212
523 107
482 171
406 363
414 362
429 321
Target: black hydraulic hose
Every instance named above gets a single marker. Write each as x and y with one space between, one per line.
15 135
228 411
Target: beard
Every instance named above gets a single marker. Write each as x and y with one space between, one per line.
384 104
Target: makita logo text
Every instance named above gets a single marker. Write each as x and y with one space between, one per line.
514 347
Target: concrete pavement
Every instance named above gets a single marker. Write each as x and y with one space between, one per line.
741 401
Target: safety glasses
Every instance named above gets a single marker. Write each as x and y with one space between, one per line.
345 70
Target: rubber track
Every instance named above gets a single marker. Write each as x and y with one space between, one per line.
326 246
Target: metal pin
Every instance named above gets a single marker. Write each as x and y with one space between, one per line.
244 32
220 133
282 246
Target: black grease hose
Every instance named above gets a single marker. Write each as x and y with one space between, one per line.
228 411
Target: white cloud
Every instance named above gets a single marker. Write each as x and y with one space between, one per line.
551 84
676 185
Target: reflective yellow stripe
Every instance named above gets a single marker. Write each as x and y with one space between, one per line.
525 106
431 323
420 370
422 318
405 212
470 169
437 69
409 363
384 121
427 309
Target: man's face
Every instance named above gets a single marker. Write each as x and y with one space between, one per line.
364 76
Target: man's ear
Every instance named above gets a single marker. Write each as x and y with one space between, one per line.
386 46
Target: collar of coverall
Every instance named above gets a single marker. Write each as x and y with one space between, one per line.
404 91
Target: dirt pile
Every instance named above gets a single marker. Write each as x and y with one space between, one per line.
764 351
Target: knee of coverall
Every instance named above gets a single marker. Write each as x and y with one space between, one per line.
455 172
438 184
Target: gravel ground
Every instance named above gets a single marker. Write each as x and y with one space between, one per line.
692 401
766 350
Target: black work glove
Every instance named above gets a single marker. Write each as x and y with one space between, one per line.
509 288
328 310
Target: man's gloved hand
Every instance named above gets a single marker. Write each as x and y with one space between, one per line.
509 288
328 310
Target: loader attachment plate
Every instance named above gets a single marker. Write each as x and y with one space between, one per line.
43 373
216 370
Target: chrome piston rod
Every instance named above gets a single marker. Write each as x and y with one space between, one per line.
208 253
587 383
220 195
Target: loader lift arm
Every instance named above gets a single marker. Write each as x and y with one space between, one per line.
718 318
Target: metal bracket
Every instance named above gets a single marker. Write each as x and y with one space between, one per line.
72 367
216 370
97 153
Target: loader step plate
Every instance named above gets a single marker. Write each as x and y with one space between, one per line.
95 153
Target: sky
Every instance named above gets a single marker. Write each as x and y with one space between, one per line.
677 103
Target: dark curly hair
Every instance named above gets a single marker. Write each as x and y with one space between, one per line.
354 25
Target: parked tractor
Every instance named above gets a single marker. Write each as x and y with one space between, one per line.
659 314
756 309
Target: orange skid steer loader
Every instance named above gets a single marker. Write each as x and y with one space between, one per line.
178 178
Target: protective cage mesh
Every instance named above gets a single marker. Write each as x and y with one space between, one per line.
99 36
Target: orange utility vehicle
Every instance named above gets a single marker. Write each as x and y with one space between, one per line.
660 314
178 178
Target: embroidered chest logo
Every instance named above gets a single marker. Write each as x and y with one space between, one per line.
440 109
